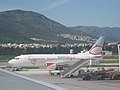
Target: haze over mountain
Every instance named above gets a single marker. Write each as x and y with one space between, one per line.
26 26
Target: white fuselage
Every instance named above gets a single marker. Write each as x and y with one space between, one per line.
51 59
42 59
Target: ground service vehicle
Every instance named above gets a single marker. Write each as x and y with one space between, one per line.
57 71
113 75
101 75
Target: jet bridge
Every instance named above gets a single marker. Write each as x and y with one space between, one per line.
75 67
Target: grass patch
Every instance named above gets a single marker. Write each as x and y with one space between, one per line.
104 66
112 61
111 57
6 57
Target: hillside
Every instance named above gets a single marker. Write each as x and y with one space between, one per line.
28 26
19 26
111 34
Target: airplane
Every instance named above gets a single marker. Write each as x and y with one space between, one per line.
49 60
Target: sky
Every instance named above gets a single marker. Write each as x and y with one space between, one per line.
102 13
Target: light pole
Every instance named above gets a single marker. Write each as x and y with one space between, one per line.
119 55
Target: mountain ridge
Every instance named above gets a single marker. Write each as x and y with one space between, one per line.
19 26
29 24
111 33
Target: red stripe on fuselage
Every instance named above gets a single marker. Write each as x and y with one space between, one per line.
49 64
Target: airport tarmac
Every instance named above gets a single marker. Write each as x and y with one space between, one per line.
72 83
12 81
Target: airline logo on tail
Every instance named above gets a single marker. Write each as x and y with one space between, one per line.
96 50
97 47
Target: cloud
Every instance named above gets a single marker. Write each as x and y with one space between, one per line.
54 4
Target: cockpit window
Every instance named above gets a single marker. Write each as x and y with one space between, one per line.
17 58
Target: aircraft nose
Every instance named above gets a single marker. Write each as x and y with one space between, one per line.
11 62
